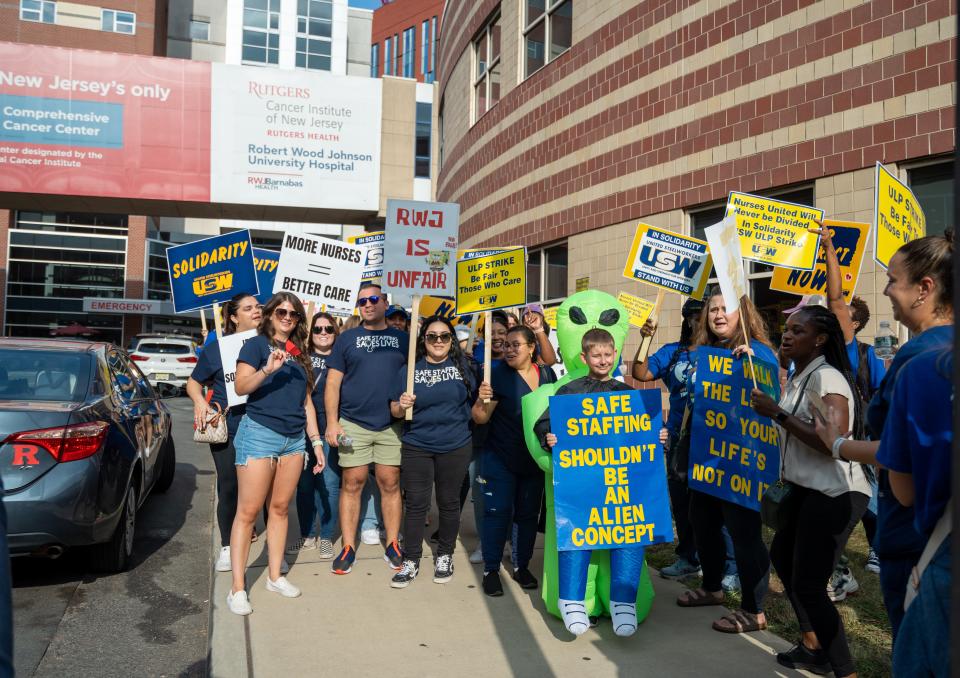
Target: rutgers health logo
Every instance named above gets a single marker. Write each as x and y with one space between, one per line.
372 342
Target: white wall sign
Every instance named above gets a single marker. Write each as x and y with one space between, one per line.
127 306
320 270
230 346
420 250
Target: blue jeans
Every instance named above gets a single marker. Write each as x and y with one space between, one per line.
319 494
730 567
476 493
626 566
370 516
6 597
923 645
894 575
509 499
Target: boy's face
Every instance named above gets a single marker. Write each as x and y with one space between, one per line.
599 360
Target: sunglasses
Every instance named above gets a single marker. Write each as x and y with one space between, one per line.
324 329
434 338
372 299
283 313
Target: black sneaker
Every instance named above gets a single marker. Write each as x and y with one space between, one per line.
443 569
491 584
394 555
343 563
408 572
814 661
525 578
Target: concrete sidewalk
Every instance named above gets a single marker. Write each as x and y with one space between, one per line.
356 625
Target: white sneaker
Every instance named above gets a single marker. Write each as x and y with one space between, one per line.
284 568
301 544
223 560
477 556
370 537
238 603
283 587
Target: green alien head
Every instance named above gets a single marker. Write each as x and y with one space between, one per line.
585 311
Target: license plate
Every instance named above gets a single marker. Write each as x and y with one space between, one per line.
161 376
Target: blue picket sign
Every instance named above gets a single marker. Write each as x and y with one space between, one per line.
210 271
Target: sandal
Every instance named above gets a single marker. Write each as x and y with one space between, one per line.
698 598
739 621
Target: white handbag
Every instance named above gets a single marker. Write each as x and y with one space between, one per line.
214 429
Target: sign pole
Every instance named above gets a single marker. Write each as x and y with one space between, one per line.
412 350
309 319
487 347
654 317
203 321
472 325
746 340
218 321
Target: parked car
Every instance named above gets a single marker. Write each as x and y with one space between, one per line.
166 359
84 439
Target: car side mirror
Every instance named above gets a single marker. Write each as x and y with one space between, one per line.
167 390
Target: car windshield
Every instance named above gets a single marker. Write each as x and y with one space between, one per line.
43 375
175 349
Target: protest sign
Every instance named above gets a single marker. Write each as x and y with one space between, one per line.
728 262
668 260
582 284
610 488
266 262
475 253
373 258
420 249
492 282
638 308
443 307
229 347
209 271
550 316
320 270
897 216
775 232
734 452
850 241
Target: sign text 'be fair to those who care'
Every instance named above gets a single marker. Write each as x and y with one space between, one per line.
491 282
897 216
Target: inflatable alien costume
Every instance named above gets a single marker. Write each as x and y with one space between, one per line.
578 314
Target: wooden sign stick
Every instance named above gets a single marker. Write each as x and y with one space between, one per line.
309 320
218 321
472 338
412 350
203 321
654 317
746 340
487 347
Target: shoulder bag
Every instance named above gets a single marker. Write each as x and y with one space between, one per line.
214 429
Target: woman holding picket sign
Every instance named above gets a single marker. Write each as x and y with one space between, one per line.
240 314
709 514
275 371
826 496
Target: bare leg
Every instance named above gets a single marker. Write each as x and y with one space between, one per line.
391 504
285 480
354 478
253 484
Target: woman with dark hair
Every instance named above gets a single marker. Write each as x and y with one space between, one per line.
829 494
709 514
318 496
513 483
240 314
436 443
275 372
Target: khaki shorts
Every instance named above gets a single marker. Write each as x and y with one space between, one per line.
377 447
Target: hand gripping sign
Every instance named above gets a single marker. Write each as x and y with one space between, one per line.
775 232
209 271
320 270
897 216
668 260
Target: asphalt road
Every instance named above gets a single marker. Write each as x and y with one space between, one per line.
152 620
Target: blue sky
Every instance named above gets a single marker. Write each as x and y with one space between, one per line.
366 4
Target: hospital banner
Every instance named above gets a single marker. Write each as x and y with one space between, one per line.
734 452
850 241
609 478
775 232
210 271
897 215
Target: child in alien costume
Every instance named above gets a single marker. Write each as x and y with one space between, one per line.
564 578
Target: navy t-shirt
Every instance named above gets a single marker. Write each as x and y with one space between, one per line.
278 402
319 363
673 365
369 360
896 536
209 372
441 413
505 428
918 436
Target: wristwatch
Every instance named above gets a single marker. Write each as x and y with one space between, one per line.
781 417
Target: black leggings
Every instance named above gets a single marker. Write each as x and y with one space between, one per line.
224 458
805 553
420 471
708 515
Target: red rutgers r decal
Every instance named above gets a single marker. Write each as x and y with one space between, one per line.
25 455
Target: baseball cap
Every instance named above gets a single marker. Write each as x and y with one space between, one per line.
394 309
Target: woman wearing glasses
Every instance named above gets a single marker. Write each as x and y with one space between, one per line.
319 495
274 371
436 444
513 481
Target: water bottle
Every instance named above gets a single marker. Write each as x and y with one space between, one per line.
343 440
885 343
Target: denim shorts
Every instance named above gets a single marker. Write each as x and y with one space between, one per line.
256 441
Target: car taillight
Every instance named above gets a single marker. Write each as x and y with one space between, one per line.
67 443
189 359
138 357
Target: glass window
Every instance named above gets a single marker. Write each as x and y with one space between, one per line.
396 55
374 60
546 24
261 34
199 30
44 375
314 34
425 70
409 52
933 186
436 46
486 82
114 21
43 11
422 145
387 58
547 274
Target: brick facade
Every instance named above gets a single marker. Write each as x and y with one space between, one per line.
394 18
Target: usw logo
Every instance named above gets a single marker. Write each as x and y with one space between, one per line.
668 261
212 283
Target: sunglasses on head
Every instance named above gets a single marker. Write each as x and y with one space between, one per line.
324 329
372 299
282 314
434 338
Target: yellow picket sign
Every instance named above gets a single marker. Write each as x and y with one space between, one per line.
491 282
477 252
550 316
850 240
638 308
775 232
441 306
897 216
583 284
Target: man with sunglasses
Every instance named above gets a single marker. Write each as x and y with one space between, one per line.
357 399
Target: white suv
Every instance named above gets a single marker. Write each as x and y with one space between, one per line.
165 359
